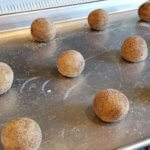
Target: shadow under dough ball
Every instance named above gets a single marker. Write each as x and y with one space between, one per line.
21 134
98 19
6 77
43 30
144 11
110 105
70 63
134 49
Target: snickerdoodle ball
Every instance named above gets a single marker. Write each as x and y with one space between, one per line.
6 77
98 19
134 49
43 30
111 105
21 134
144 11
70 63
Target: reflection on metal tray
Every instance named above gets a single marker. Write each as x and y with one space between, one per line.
63 106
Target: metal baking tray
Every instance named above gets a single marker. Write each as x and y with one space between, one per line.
63 106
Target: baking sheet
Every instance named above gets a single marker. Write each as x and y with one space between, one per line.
63 106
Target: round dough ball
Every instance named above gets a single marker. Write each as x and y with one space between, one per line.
110 105
70 63
6 77
21 134
144 11
98 19
43 30
134 49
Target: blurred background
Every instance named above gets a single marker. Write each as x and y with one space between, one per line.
12 6
16 14
17 6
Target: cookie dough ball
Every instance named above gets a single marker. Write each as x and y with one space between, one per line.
21 134
70 63
134 49
110 105
6 77
98 19
43 30
144 11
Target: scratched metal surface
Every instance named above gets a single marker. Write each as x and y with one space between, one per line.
63 106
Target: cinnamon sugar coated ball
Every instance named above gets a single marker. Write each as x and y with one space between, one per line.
144 11
6 77
21 134
43 30
111 105
70 63
134 49
98 19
